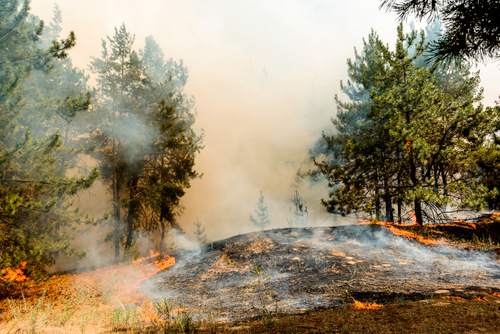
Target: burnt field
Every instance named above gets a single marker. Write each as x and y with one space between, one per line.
372 278
297 270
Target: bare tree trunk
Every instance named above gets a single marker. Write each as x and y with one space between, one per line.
417 205
389 216
377 206
132 211
116 202
162 234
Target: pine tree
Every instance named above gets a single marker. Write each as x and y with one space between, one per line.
120 131
36 209
416 145
170 166
298 211
261 219
472 27
199 233
147 143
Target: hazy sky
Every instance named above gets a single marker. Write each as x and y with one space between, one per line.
263 74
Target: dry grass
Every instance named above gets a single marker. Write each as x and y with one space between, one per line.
106 301
427 316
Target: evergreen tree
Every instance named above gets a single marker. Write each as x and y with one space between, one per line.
147 144
199 233
119 133
298 211
36 211
356 160
261 219
170 166
61 98
417 145
472 27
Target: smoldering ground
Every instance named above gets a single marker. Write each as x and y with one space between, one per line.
287 270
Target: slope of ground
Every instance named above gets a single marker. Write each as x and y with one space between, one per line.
359 279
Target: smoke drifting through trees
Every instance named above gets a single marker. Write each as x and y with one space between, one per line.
37 217
263 109
146 144
138 126
263 75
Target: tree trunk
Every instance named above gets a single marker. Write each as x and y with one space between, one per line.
377 206
162 234
416 202
116 210
418 211
132 211
389 216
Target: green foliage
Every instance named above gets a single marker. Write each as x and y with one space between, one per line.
411 136
261 219
472 27
144 133
125 317
177 320
37 215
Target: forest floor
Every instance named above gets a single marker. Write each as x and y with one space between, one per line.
111 299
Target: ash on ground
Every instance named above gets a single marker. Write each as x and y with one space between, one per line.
294 270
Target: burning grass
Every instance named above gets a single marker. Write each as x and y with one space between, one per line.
85 302
365 305
17 275
313 268
368 279
482 235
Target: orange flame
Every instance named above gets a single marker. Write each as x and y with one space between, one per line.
365 305
408 234
146 310
482 298
152 254
413 218
454 298
14 275
122 281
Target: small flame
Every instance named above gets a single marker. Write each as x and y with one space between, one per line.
454 298
146 309
14 275
122 281
413 218
407 234
460 223
481 298
152 254
365 305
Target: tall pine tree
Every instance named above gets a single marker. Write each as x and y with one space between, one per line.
416 145
147 143
36 211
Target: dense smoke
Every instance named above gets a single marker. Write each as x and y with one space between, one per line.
263 76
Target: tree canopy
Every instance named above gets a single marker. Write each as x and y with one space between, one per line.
472 27
37 215
146 143
409 136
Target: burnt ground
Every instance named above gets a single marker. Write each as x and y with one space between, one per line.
290 270
282 281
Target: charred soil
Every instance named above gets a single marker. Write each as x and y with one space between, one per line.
349 279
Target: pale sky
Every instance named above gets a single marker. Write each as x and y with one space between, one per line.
263 74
